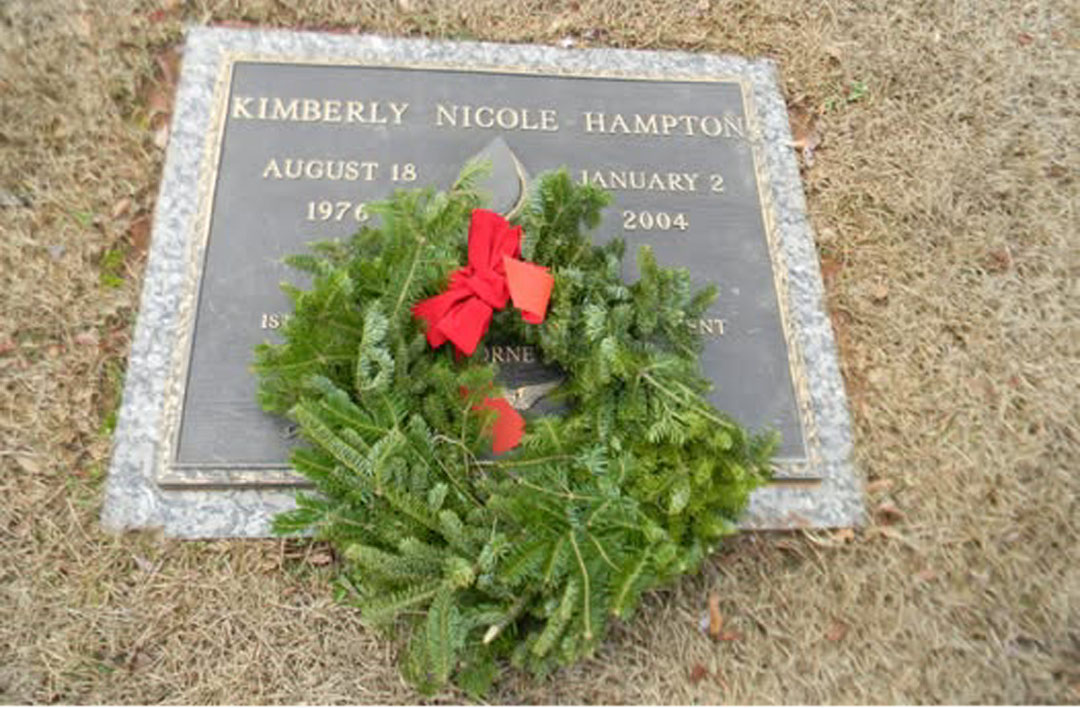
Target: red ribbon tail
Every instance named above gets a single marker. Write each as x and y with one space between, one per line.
509 425
530 288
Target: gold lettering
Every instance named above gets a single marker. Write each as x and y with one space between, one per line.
641 180
312 110
399 111
619 123
441 112
733 125
482 122
280 112
594 122
332 111
374 106
271 170
273 320
549 120
712 325
487 117
240 107
525 121
645 125
507 118
510 354
336 170
713 121
664 124
339 164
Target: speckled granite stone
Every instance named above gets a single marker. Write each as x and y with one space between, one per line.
134 499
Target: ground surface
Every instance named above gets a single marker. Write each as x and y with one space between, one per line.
944 194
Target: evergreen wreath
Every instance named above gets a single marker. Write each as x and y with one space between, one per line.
531 554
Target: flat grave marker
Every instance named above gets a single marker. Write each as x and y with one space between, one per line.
280 139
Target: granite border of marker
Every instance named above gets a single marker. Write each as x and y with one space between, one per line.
133 499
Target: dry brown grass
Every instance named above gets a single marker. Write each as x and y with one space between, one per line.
945 202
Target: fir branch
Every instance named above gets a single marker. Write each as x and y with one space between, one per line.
585 579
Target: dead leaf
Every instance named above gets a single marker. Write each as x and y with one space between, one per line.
322 557
1025 38
878 486
830 268
168 62
716 620
89 339
880 293
730 635
844 535
84 25
926 575
1056 171
123 206
7 345
877 377
159 101
29 464
889 513
804 133
139 234
144 565
697 673
703 6
837 631
11 199
891 533
998 261
161 135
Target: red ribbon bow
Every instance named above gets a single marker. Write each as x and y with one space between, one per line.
463 313
493 275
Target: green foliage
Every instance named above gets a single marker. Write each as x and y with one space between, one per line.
526 557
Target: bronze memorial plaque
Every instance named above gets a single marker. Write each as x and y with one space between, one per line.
300 149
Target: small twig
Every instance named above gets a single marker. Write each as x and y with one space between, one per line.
515 611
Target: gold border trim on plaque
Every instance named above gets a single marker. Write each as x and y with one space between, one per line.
173 474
